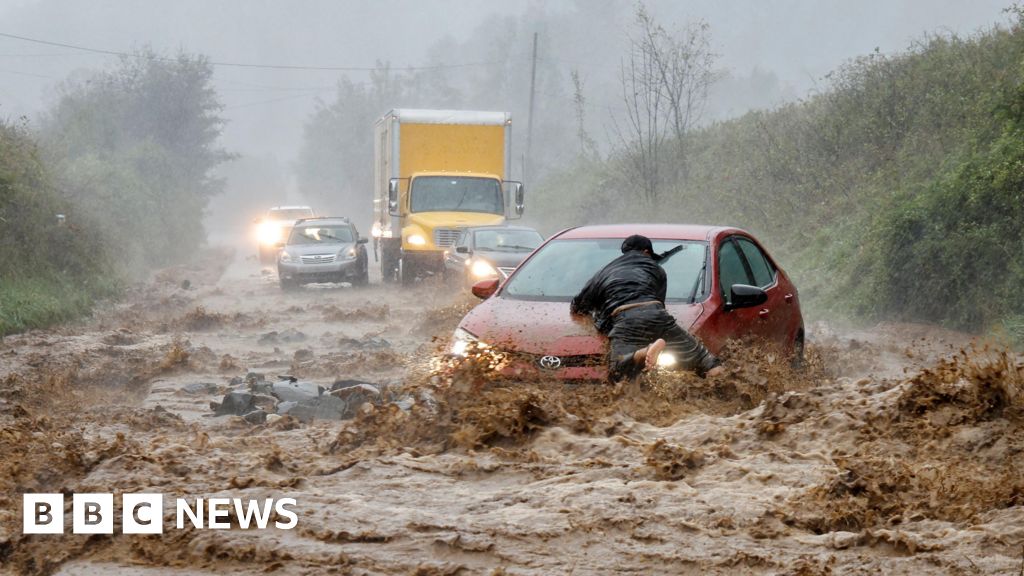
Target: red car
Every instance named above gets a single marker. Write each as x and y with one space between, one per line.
722 285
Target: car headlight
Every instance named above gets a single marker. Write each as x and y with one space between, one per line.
666 360
461 340
483 269
285 256
269 233
348 254
416 239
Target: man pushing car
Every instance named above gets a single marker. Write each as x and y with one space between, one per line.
626 299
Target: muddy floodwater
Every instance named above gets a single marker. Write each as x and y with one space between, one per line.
896 450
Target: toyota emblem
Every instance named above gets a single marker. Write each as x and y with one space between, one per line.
550 362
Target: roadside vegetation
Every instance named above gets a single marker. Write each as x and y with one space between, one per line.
896 192
125 155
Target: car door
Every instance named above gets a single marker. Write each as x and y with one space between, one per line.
773 314
733 269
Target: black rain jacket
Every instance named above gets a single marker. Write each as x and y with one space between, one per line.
632 277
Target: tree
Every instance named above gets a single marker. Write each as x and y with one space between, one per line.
665 80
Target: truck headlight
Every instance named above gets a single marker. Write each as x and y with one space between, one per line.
416 239
666 360
285 256
482 269
461 341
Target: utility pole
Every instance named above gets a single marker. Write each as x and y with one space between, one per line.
529 119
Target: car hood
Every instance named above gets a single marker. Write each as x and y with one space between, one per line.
501 259
322 248
537 327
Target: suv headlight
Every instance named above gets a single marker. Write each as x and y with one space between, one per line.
348 253
461 340
285 256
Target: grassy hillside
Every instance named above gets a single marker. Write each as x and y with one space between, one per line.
894 193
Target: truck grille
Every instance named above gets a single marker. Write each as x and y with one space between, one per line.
318 258
445 237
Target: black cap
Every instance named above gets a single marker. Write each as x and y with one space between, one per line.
637 242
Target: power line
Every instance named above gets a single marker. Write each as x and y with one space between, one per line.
250 65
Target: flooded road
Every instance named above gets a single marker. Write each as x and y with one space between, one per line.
895 451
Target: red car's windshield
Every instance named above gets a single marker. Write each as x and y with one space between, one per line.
560 269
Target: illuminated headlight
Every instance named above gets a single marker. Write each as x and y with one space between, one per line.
348 254
666 360
461 341
416 240
269 233
375 230
286 257
482 269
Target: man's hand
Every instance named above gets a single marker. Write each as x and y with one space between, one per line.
716 371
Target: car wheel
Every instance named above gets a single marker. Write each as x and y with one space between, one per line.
363 277
797 362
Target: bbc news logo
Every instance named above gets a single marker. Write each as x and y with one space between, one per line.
144 513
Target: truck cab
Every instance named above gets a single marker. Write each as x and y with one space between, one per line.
438 172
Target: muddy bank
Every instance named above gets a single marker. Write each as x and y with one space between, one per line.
895 450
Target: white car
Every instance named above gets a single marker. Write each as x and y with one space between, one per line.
272 229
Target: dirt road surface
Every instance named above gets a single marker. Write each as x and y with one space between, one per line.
896 451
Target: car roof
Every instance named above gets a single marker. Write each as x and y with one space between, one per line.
290 208
653 231
324 220
498 227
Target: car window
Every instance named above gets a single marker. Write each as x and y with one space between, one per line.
320 234
730 267
560 269
507 240
764 276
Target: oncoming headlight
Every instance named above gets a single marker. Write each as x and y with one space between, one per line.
666 360
269 233
482 269
416 239
285 256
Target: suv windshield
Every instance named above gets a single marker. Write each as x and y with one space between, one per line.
290 214
325 234
456 194
559 270
507 240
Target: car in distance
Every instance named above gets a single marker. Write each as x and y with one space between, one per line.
272 228
323 250
485 252
722 285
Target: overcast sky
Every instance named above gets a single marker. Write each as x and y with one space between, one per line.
798 41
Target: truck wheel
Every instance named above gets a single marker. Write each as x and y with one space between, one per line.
407 271
388 265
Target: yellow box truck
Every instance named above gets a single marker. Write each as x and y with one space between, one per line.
436 172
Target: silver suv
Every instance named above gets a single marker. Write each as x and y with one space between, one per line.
323 250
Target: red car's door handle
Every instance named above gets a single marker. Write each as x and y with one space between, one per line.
789 298
764 312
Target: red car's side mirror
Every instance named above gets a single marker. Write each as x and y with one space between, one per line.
484 289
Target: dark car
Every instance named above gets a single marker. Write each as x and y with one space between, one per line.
323 250
486 252
722 285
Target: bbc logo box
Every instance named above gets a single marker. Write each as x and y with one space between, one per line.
93 513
